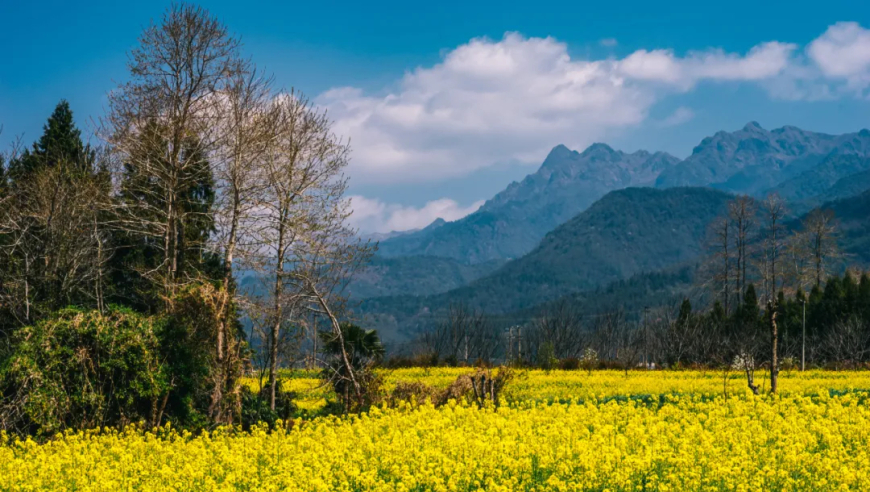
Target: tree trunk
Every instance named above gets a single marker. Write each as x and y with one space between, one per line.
273 338
774 362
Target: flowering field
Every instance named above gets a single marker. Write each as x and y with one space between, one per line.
567 386
561 431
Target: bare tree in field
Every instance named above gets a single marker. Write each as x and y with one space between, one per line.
774 211
820 229
742 212
562 328
848 341
676 338
327 255
248 129
305 241
721 243
53 243
796 266
465 335
163 124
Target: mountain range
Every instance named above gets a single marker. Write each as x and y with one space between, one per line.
801 165
628 223
513 222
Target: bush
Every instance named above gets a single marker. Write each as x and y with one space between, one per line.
204 391
255 408
357 387
83 369
546 356
415 393
569 364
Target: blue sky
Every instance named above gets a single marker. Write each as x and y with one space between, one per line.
447 102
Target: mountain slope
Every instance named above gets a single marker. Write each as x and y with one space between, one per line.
627 232
753 160
514 221
819 181
853 217
415 275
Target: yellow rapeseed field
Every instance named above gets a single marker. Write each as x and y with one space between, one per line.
575 386
560 431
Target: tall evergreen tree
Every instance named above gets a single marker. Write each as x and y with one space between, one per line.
54 197
864 298
685 311
141 251
61 142
749 308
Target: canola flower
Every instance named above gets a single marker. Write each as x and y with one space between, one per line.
576 386
803 439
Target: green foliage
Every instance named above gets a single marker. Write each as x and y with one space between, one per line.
256 409
194 368
83 369
546 356
60 143
364 350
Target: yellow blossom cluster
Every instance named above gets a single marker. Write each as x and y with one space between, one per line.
576 386
738 443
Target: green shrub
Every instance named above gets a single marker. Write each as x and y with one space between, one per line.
83 369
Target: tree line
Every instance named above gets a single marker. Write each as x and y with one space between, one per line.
776 295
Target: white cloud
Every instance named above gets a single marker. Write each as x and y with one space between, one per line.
842 51
486 102
513 99
762 62
608 42
372 215
678 117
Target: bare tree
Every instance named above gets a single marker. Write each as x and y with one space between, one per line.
721 230
796 262
561 327
848 341
465 335
820 228
304 237
248 129
327 255
742 212
55 246
676 338
774 211
163 125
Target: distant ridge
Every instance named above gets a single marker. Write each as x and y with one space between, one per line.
514 221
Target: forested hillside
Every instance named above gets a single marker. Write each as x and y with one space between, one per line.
625 233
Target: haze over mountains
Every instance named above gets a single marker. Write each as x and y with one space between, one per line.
586 220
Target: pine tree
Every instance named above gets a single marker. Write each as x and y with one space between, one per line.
55 196
60 144
749 309
685 312
139 251
864 298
